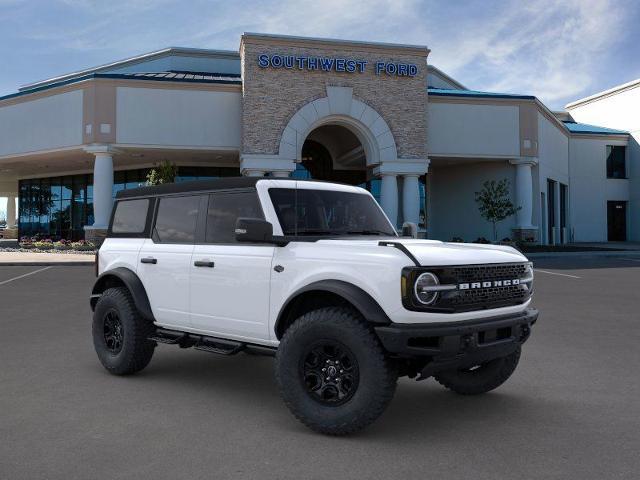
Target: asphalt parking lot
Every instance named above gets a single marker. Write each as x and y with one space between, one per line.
571 410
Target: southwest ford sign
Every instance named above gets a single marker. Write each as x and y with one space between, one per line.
334 64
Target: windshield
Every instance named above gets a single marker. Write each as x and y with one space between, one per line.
303 212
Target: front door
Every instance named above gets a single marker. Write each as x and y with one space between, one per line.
164 260
230 280
617 221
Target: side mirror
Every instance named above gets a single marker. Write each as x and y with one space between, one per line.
410 230
254 230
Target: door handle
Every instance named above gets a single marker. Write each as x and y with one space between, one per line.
149 260
203 263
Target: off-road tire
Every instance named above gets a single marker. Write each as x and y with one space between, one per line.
377 375
483 379
136 350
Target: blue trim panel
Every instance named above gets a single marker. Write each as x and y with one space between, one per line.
584 128
120 76
442 92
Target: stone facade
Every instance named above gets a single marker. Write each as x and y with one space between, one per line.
271 96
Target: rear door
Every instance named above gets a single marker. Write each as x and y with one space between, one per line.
230 280
164 260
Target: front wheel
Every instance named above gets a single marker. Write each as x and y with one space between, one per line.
332 372
480 378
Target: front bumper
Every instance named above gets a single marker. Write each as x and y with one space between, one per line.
453 345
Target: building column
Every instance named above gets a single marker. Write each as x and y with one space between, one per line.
102 191
411 198
389 196
11 212
410 170
525 230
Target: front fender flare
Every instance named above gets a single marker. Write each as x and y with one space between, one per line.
131 281
361 300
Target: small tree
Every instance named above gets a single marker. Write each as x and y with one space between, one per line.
494 203
164 172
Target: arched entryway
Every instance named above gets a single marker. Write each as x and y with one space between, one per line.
340 138
334 153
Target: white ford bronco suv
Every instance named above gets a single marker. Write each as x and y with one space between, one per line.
314 274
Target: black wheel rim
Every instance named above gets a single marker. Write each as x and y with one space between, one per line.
113 333
330 373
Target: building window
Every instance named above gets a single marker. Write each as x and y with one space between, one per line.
616 161
60 207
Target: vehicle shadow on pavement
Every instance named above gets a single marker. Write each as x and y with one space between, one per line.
419 409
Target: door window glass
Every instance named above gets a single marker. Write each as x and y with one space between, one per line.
225 209
176 220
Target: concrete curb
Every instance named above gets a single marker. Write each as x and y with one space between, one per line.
610 253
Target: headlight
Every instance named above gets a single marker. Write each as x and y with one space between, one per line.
425 288
527 277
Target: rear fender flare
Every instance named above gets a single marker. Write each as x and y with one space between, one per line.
131 281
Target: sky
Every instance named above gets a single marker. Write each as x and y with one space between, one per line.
557 50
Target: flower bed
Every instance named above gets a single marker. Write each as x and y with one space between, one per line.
44 245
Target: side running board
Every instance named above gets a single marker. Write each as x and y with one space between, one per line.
402 248
205 343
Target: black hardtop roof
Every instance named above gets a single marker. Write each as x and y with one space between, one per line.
225 183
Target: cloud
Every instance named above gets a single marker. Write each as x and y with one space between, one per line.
547 48
557 50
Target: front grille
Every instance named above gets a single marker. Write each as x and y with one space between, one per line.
478 273
489 295
474 299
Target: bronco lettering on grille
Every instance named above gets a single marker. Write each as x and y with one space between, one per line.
488 284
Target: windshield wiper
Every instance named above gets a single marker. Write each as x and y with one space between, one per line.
319 232
369 232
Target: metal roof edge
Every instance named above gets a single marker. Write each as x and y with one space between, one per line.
605 93
447 77
123 76
132 61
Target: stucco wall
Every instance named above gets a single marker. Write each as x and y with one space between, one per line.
620 111
453 210
468 129
271 96
590 189
45 123
194 118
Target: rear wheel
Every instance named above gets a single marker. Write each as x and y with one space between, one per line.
120 334
480 378
332 372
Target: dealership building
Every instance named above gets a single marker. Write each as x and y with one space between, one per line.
370 114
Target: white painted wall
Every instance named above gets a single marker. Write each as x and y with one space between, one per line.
464 129
553 163
590 189
42 124
453 210
620 111
190 118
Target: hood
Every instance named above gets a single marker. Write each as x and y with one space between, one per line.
436 253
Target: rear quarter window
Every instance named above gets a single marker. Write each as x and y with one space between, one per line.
130 216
